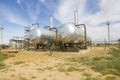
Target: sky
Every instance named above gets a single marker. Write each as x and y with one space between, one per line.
17 14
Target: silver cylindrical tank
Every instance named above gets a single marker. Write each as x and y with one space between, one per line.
41 35
70 33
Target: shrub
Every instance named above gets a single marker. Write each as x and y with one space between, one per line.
110 78
22 78
3 57
86 74
97 58
70 69
48 68
18 62
2 65
105 65
61 69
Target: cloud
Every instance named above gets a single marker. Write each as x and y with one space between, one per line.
42 1
12 16
113 14
33 8
65 13
11 20
19 1
16 20
9 33
115 31
49 5
66 8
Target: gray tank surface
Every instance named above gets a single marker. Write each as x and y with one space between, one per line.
70 33
67 33
41 35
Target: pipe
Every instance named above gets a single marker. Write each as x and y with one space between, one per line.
51 22
53 29
37 24
56 30
85 35
76 17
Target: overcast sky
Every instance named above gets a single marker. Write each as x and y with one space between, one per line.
17 14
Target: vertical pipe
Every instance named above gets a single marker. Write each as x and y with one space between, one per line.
76 17
56 34
85 33
56 31
51 22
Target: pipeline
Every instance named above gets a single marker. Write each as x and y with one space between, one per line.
36 24
56 30
85 35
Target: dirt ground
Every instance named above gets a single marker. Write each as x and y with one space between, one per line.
30 65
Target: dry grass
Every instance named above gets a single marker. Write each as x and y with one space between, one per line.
18 62
59 66
104 64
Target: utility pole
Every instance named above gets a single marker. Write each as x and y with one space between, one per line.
1 30
108 31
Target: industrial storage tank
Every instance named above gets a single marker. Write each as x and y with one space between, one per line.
69 33
41 35
68 36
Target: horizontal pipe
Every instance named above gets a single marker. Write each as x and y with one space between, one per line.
36 24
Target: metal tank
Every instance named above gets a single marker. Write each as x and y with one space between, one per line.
70 33
41 35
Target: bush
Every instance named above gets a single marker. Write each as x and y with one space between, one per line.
87 74
70 69
110 78
105 65
3 56
18 62
108 58
61 69
111 66
2 65
115 53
